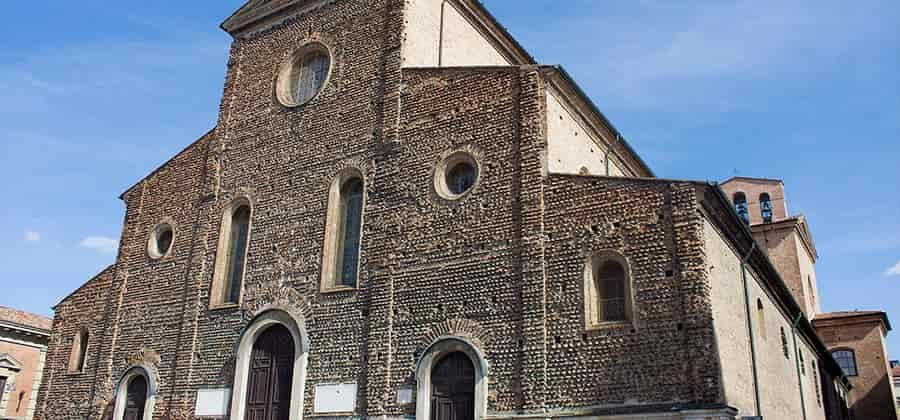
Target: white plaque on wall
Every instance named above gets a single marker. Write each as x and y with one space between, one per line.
213 402
335 398
405 396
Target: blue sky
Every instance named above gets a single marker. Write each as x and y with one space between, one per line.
96 94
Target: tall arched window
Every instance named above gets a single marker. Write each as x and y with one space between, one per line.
607 291
231 260
78 357
846 359
740 206
765 207
761 318
351 227
340 259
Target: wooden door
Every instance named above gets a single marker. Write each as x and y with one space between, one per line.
136 398
271 374
453 388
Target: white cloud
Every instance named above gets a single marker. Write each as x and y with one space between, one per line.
893 271
32 236
100 243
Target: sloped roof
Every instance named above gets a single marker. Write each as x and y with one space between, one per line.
27 319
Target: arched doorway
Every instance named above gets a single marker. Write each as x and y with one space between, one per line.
275 338
453 388
135 398
452 381
136 394
271 374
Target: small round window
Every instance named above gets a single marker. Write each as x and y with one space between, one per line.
304 75
161 241
456 176
461 178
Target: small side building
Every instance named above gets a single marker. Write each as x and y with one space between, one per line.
23 350
856 339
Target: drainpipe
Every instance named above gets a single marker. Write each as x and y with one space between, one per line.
750 329
797 362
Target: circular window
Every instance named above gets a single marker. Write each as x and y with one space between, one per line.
303 75
161 241
456 176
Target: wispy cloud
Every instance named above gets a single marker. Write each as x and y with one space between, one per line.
100 244
893 271
32 236
704 53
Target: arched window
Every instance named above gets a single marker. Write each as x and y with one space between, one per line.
740 206
784 345
607 291
846 359
351 227
231 261
343 234
78 357
765 207
815 370
761 318
802 362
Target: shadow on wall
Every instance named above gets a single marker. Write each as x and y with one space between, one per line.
878 404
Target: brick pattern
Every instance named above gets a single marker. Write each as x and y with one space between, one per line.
502 266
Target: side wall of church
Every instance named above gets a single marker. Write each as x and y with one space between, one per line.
776 357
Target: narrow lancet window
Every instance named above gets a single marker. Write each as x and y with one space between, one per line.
343 232
351 227
237 252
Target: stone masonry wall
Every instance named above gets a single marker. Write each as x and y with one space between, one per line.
502 266
68 395
667 356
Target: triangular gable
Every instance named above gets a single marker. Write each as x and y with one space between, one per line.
254 10
9 362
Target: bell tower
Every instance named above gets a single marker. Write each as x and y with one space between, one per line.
785 238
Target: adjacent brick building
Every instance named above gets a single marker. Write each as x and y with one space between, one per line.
858 342
400 214
23 350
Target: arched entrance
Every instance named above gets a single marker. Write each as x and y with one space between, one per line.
270 367
136 394
271 374
452 381
135 398
453 388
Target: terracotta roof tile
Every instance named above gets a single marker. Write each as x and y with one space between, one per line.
27 319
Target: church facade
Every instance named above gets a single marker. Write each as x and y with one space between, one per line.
400 214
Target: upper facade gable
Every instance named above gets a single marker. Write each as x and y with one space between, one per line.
256 10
